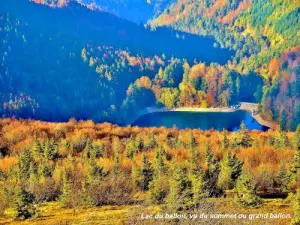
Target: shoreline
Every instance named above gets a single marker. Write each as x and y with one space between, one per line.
148 110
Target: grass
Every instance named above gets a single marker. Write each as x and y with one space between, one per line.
55 214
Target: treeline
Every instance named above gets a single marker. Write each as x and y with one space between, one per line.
179 84
82 163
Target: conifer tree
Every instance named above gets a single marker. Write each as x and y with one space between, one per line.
210 161
245 191
224 179
180 195
198 187
225 140
50 150
135 174
117 150
66 195
24 204
45 169
191 140
95 172
25 159
152 142
33 178
284 140
236 167
296 161
146 174
86 199
37 148
157 188
245 139
283 178
230 170
131 148
88 149
296 217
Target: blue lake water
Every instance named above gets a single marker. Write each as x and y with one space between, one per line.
230 121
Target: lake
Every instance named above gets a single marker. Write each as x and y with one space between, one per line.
230 121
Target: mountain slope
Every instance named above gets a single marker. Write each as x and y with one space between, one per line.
257 30
70 61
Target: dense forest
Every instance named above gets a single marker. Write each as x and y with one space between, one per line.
94 65
45 73
88 164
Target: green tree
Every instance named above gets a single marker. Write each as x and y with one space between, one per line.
296 217
117 147
25 159
284 140
50 150
37 148
131 148
146 175
33 177
158 189
198 187
225 140
180 196
283 178
212 172
245 138
24 204
135 174
225 180
245 191
86 198
66 192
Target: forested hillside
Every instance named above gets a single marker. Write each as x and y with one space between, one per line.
265 36
72 62
138 11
